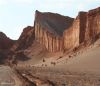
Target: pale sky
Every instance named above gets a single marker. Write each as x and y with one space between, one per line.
17 14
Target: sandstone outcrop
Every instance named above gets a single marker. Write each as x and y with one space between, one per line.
75 35
58 33
85 28
93 25
49 30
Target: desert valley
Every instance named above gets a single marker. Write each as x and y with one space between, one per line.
56 51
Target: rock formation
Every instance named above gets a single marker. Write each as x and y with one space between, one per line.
58 33
75 35
9 47
49 30
25 40
85 28
5 45
5 42
93 24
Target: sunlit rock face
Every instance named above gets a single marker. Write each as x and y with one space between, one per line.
71 36
85 28
57 32
49 28
75 35
60 33
93 24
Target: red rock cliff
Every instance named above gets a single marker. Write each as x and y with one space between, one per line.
86 27
71 36
49 28
93 24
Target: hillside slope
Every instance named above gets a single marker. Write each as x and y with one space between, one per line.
87 60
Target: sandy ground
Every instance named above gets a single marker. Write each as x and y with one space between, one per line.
45 76
8 77
87 60
81 68
37 53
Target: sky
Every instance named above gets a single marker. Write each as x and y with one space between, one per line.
18 14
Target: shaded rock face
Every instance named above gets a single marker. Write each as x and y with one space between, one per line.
82 17
25 40
5 42
5 46
49 29
53 22
9 47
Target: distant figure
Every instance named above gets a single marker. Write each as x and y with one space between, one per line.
43 60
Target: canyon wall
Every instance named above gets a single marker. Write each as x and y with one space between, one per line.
85 29
75 35
71 36
58 33
49 29
93 25
51 42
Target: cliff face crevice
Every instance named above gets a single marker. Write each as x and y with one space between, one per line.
82 26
